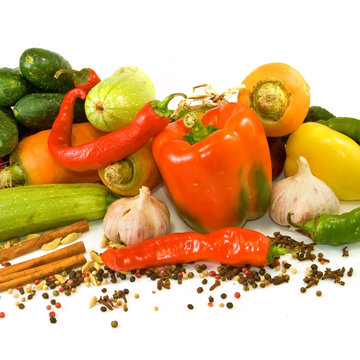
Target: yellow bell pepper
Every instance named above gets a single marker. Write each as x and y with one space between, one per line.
333 157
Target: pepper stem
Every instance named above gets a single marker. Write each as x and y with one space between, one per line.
199 130
11 175
276 251
66 71
119 173
161 107
290 222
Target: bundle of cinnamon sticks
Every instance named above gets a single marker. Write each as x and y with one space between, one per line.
26 272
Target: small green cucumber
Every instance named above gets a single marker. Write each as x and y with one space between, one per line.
13 86
39 111
9 133
316 113
34 208
39 67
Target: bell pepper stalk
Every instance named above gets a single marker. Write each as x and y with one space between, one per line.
224 177
230 246
113 147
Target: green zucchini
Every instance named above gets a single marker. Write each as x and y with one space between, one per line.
39 111
9 133
33 208
39 67
13 86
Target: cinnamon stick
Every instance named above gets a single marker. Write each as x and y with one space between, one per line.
63 253
28 246
40 272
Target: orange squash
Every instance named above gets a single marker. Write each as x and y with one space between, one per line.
32 163
279 95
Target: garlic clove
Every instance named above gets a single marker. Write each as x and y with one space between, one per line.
302 194
135 219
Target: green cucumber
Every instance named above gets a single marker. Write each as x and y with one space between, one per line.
39 111
13 86
39 67
316 113
34 208
9 133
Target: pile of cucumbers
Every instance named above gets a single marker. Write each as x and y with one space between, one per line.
30 96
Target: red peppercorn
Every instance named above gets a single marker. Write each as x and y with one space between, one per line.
69 281
84 276
61 289
51 277
212 273
162 272
48 307
116 306
244 269
52 314
210 304
276 262
36 282
3 263
19 287
2 315
237 295
58 305
138 275
217 277
180 274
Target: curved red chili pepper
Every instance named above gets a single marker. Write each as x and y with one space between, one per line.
151 119
231 246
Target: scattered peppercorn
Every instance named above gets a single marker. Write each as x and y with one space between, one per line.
103 309
2 315
190 306
199 289
223 296
53 320
114 324
229 305
318 293
21 306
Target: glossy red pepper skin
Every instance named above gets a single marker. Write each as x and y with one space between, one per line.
231 246
225 178
109 148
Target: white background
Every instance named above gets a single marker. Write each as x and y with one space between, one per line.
180 44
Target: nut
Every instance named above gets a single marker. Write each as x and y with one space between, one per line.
51 245
95 257
92 302
70 238
87 266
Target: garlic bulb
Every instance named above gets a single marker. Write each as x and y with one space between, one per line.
135 219
302 194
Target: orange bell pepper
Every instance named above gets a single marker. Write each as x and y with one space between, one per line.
219 173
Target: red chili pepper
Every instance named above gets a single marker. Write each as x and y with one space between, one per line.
151 119
232 246
84 79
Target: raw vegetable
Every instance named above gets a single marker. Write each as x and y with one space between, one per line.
332 229
115 101
13 86
302 194
39 111
230 246
345 125
223 179
32 163
278 155
279 95
33 208
333 158
150 120
317 113
39 67
128 175
135 219
9 134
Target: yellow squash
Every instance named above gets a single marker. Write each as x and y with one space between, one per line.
333 157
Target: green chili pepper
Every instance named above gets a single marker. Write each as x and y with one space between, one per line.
345 125
332 229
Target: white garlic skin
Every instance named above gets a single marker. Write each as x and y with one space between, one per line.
135 219
304 195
